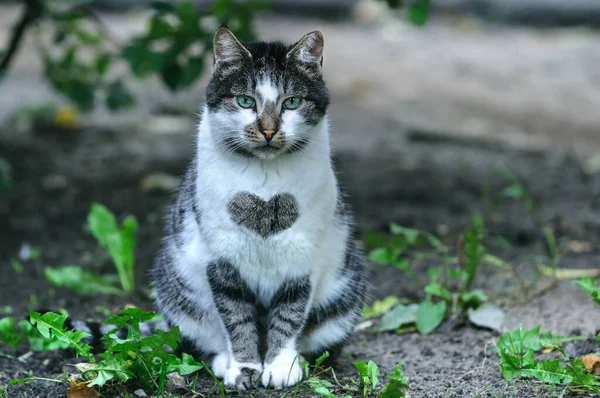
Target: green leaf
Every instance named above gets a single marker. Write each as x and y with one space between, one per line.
142 60
37 342
187 365
102 224
191 71
474 249
315 382
551 372
102 63
128 231
589 285
120 243
159 29
435 289
118 96
130 318
162 6
369 375
52 324
80 281
514 192
418 12
9 334
411 235
189 21
510 365
362 368
160 339
81 92
373 370
395 3
321 359
380 307
472 299
86 37
380 256
430 315
324 391
363 372
68 60
436 243
171 76
109 369
400 315
517 360
519 341
403 264
6 310
397 382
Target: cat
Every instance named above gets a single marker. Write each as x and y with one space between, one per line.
258 249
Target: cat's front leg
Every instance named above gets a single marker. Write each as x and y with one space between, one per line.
236 305
286 318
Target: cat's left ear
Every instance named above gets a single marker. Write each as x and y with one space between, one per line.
309 51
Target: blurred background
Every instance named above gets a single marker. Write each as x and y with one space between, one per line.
439 109
99 102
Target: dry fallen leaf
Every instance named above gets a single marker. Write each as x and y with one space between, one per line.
592 363
81 390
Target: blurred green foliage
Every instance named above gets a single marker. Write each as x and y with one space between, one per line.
417 10
84 62
81 59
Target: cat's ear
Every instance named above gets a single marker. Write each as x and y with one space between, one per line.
227 48
308 51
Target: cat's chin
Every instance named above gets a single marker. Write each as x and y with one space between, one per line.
267 152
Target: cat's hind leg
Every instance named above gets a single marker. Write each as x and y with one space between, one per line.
332 320
187 308
204 339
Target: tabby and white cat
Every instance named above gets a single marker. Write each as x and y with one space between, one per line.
258 249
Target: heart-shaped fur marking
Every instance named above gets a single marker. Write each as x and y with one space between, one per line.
265 217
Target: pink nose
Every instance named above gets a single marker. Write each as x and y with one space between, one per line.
268 134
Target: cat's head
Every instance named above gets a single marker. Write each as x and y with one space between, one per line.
266 99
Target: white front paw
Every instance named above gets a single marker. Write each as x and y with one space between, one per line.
219 364
283 371
242 376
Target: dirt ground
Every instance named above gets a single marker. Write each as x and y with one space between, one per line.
435 186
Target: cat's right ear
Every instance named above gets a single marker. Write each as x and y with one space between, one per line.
308 52
227 48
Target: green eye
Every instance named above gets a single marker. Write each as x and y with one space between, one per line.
292 103
245 102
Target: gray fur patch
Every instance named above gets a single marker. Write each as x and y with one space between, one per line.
265 217
287 314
